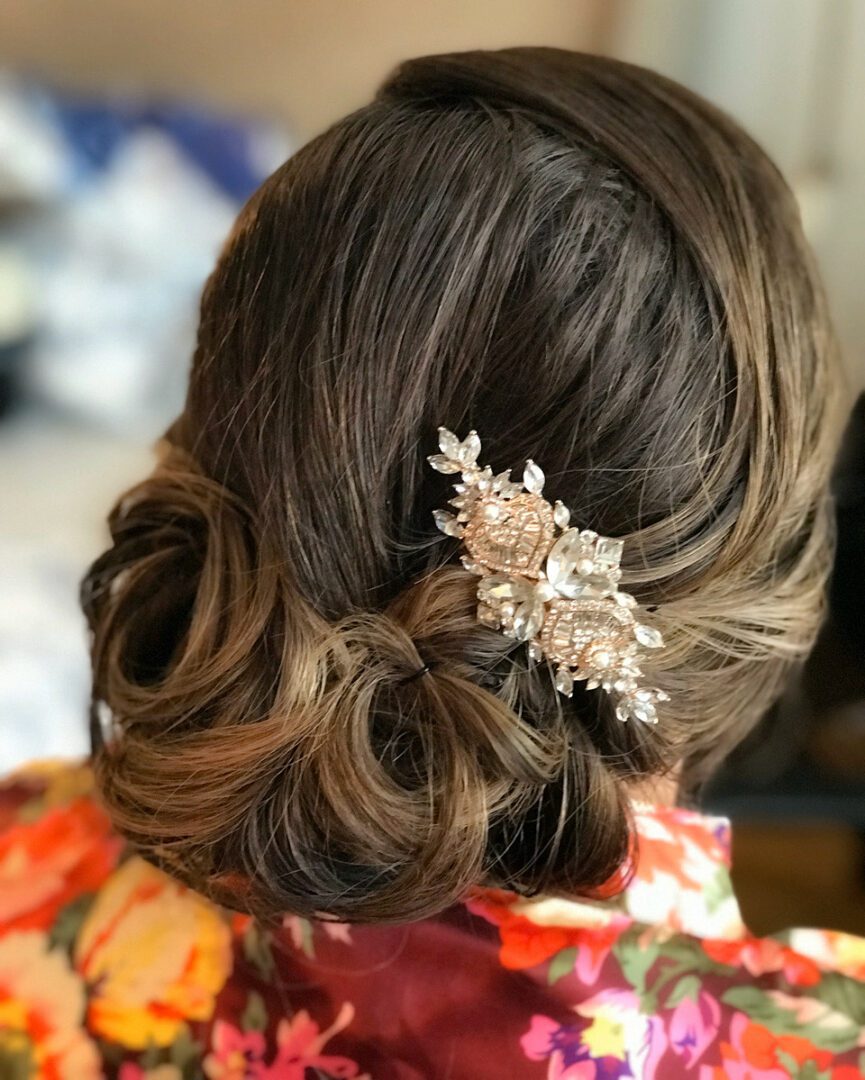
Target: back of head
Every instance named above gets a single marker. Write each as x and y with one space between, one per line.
591 267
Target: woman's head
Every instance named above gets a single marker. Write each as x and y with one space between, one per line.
591 267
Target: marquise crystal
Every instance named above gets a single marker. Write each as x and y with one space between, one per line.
546 583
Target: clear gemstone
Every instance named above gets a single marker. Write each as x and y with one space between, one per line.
609 551
471 565
491 511
601 658
528 620
561 563
470 448
488 617
447 523
533 478
623 712
625 600
449 443
443 464
564 682
588 537
593 684
544 591
536 653
561 515
648 636
498 587
644 712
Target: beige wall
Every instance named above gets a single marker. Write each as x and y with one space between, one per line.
793 72
308 60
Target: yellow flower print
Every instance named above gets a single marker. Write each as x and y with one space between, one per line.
605 1037
154 953
41 1010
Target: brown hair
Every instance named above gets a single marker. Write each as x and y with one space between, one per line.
590 266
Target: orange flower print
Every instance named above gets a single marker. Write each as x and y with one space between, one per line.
833 950
49 862
526 942
41 1012
762 956
681 874
753 1053
681 844
154 953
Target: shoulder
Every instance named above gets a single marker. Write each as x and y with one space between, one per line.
56 844
107 963
107 959
655 1002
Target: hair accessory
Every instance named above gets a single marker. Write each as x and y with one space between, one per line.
421 671
546 583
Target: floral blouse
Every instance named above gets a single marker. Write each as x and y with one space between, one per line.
108 968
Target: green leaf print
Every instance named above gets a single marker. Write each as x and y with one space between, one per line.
255 1014
844 995
687 987
717 890
68 922
562 964
151 1057
830 1030
258 951
635 959
306 937
16 1057
185 1051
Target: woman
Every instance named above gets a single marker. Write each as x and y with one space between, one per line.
415 794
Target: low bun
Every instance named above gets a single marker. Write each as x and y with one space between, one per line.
281 763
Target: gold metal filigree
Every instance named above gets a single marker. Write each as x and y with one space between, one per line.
546 583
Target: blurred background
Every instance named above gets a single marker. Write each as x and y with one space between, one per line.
130 133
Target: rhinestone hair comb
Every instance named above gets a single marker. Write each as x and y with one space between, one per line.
546 583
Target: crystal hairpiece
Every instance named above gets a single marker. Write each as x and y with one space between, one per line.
545 582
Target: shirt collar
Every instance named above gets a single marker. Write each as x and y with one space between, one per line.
680 881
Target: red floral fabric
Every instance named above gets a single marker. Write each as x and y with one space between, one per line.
109 969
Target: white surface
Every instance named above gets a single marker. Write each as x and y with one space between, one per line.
792 72
57 484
